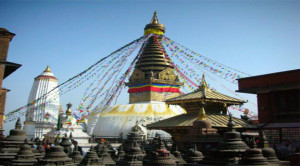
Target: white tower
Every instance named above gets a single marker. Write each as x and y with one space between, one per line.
42 115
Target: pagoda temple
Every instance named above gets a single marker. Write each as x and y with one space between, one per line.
152 82
205 119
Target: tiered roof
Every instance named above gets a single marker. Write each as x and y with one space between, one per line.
203 93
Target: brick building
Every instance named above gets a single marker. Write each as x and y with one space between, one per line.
278 100
6 68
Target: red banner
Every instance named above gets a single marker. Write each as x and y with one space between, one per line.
154 89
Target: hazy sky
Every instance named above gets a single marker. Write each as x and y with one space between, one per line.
256 37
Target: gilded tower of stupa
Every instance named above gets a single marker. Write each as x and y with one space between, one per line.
152 82
153 78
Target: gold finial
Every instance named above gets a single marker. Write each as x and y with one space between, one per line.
154 26
47 70
202 114
68 112
154 19
203 85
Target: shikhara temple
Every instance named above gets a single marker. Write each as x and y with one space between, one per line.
42 116
160 125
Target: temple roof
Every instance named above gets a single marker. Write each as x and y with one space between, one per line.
186 120
203 93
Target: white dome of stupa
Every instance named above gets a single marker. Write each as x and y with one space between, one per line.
119 119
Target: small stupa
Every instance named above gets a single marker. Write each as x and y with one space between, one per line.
71 127
267 152
66 144
76 156
98 147
194 156
56 156
10 146
159 157
91 158
253 156
178 158
25 156
134 135
230 149
106 157
133 157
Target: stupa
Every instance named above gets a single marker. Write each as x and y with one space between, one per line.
230 149
254 156
193 156
133 157
25 156
42 115
91 158
152 82
56 156
72 128
268 153
106 157
159 157
178 157
134 135
10 146
76 156
66 144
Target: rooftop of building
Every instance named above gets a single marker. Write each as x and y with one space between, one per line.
284 80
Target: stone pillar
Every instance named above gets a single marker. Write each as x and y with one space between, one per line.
5 38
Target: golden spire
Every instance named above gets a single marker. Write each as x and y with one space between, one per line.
203 84
154 26
47 70
68 112
154 19
202 114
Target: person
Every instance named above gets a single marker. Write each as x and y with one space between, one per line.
75 143
284 151
48 146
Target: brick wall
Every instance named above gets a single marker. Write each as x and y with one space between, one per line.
5 38
2 105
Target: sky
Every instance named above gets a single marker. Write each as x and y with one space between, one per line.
256 37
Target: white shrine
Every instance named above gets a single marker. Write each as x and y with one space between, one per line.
42 116
71 126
